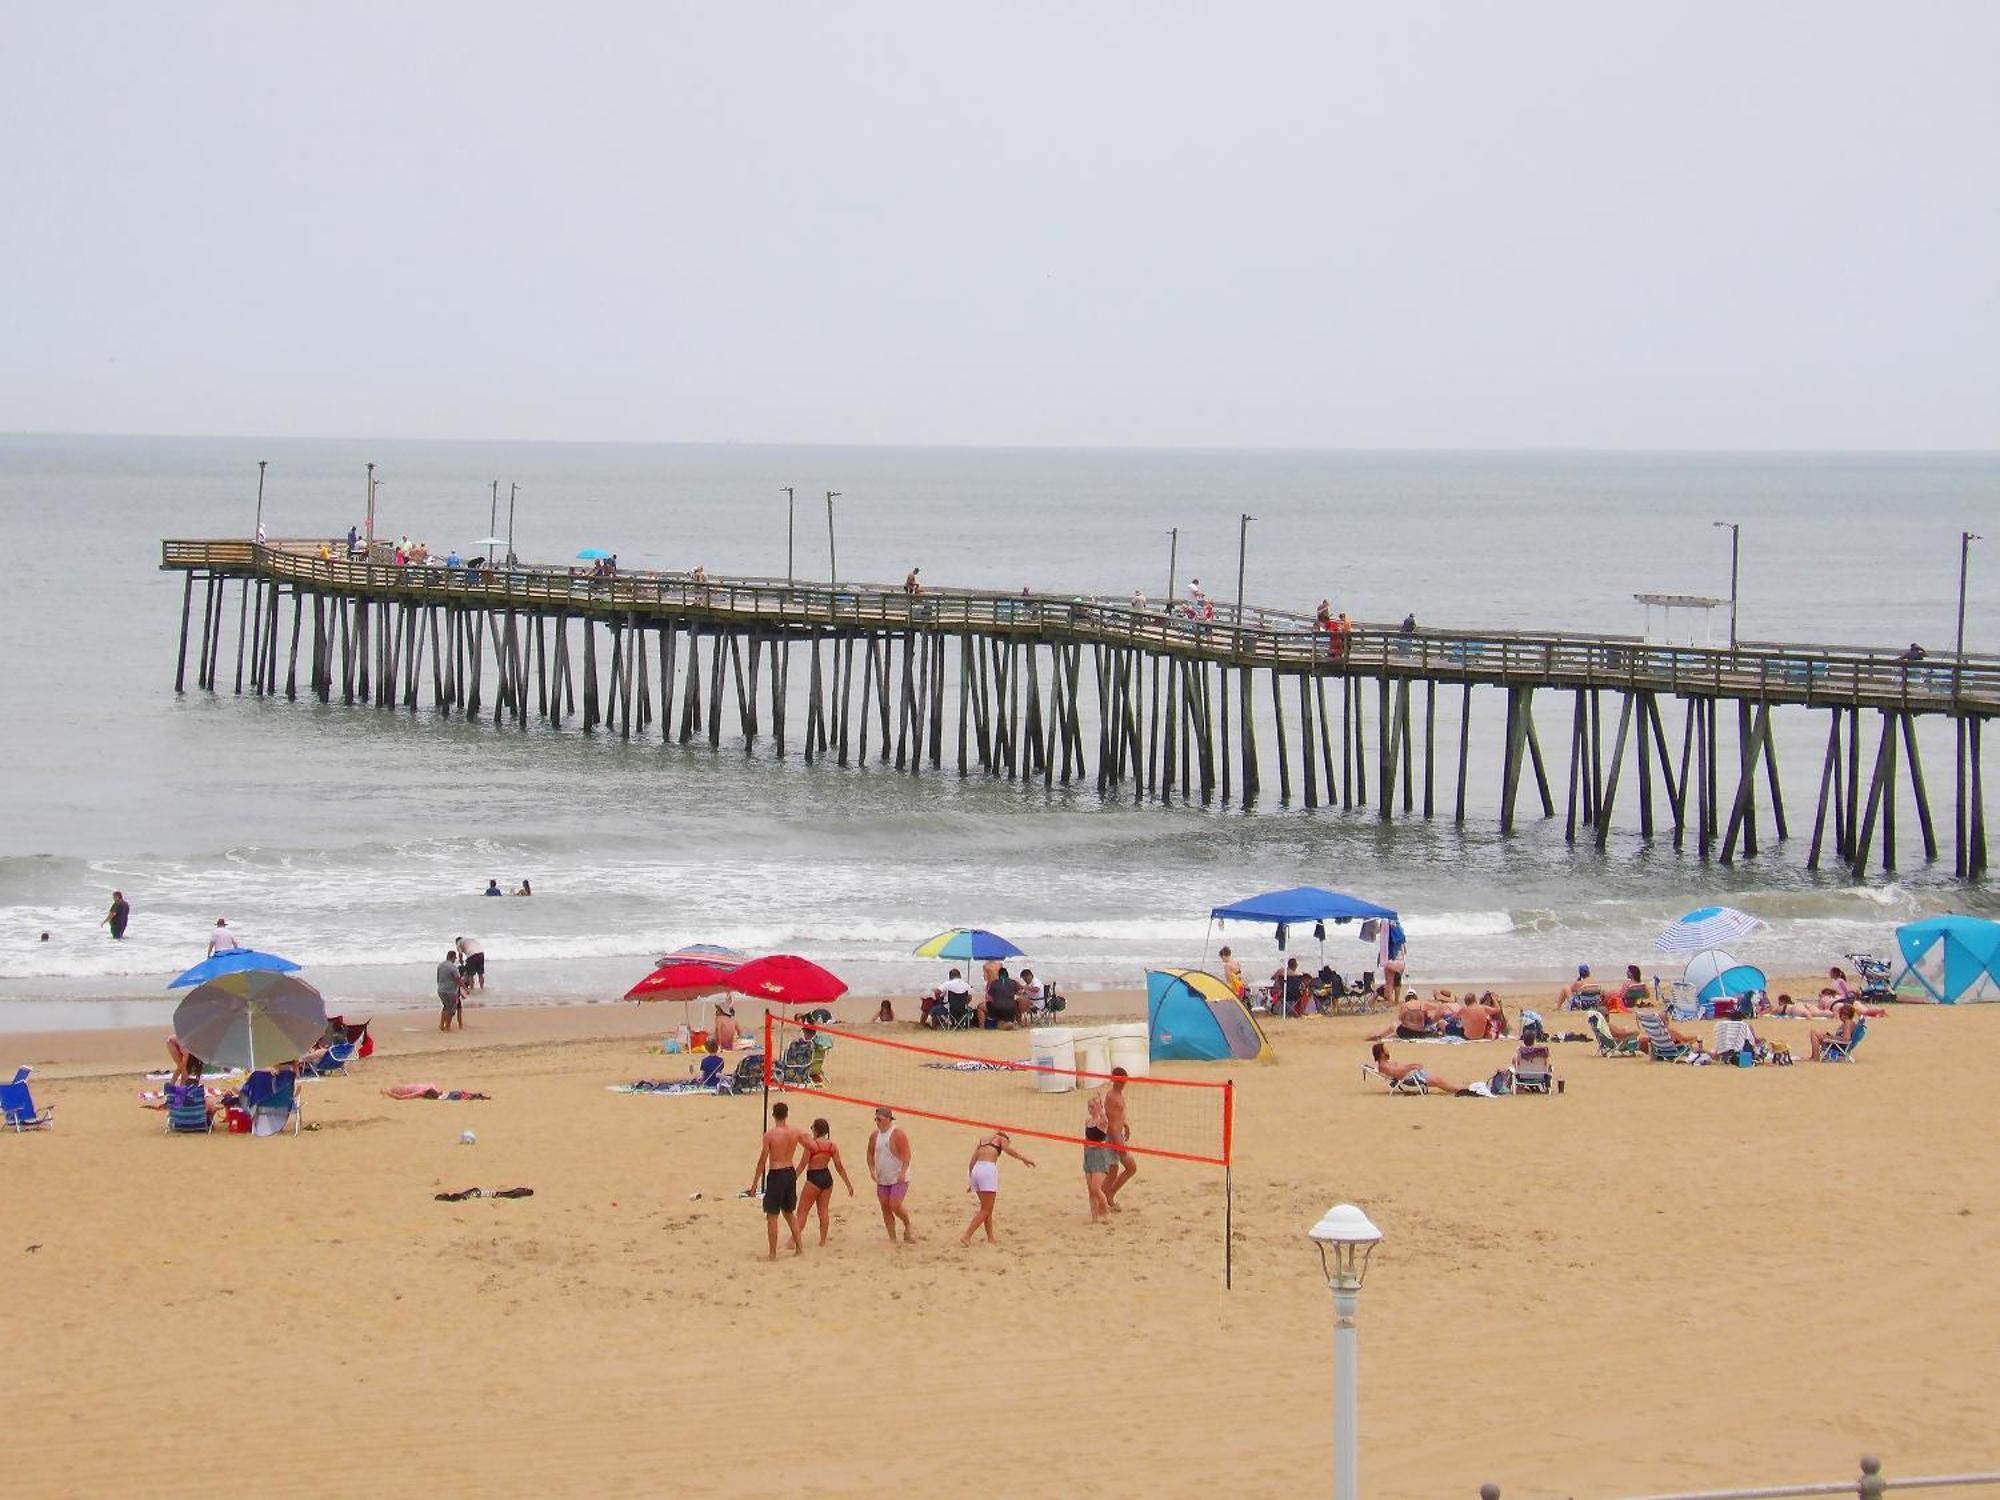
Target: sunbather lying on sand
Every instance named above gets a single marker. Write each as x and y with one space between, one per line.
1397 1072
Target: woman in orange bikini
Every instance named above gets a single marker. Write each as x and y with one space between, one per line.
822 1161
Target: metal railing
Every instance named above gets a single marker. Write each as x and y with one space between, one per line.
1870 1482
1260 638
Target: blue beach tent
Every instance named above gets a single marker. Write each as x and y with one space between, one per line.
1192 1016
1951 960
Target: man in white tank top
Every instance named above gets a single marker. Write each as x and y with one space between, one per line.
889 1162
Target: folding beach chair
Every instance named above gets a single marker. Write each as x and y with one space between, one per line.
187 1109
1533 1072
1832 1051
272 1099
748 1077
17 1105
1660 1043
795 1067
1607 1044
1408 1084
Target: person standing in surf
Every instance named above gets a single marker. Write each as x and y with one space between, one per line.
118 916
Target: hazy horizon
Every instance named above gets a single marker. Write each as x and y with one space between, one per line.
1557 227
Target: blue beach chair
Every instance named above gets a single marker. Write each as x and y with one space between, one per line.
17 1105
272 1098
187 1109
1832 1051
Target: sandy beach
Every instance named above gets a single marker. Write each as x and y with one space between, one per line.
1664 1276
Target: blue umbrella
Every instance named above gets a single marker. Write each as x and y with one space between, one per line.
593 554
1706 927
973 943
231 961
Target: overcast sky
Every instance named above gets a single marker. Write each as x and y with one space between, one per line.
1736 225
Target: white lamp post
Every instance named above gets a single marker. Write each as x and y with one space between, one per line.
1346 1239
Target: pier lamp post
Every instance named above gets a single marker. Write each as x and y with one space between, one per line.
791 513
513 489
259 534
1242 547
492 521
1735 545
1346 1239
1173 563
1965 541
370 553
832 557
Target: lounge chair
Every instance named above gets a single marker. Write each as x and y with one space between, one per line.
338 1056
1833 1051
1607 1044
1585 997
187 1109
272 1100
1408 1084
748 1077
795 1067
1533 1072
17 1105
1660 1044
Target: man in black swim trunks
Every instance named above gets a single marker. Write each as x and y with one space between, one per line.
777 1165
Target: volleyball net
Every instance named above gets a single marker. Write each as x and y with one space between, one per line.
1046 1097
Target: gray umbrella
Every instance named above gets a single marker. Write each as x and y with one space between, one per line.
253 1019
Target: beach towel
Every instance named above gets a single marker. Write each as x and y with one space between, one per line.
974 1067
661 1086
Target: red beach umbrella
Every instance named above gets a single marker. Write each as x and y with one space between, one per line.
680 981
784 979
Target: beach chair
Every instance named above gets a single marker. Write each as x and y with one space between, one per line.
1533 1072
1404 1085
338 1056
187 1109
1832 1051
795 1065
272 1101
1049 1006
1660 1044
17 1105
748 1077
1607 1044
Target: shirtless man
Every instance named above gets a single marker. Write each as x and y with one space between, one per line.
889 1164
1118 1130
777 1165
1478 1019
1396 1072
1413 1020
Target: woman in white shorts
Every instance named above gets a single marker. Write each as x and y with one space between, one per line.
983 1178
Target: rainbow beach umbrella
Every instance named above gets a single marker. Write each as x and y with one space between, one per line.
251 1019
974 944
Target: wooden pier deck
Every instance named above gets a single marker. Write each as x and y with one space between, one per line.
1139 700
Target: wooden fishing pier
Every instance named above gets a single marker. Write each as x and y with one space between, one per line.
1145 702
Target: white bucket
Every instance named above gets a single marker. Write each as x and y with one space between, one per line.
1053 1047
1093 1055
1131 1048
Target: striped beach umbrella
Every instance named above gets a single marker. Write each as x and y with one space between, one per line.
251 1019
1706 927
973 944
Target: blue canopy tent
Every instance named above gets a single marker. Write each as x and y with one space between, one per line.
1307 903
1951 960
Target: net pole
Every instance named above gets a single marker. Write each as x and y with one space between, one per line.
767 1079
1228 1184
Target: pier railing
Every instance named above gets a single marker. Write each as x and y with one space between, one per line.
1260 638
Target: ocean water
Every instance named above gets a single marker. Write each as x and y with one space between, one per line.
358 841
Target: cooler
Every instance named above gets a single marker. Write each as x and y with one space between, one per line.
1131 1048
1053 1047
1093 1055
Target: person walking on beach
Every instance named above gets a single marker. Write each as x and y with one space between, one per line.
450 992
983 1180
822 1161
221 939
1118 1130
777 1165
471 962
118 916
889 1164
1098 1158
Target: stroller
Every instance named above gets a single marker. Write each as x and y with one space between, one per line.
1874 976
